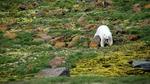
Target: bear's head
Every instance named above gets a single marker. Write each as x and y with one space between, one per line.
107 38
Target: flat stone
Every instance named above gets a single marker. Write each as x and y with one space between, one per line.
55 62
62 71
141 64
47 38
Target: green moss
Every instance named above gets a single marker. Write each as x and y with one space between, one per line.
26 39
6 59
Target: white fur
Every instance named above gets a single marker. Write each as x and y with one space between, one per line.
104 33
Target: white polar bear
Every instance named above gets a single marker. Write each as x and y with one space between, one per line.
105 35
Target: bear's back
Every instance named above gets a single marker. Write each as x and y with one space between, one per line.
104 29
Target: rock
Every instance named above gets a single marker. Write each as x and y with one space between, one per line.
28 26
137 8
41 35
141 64
86 9
90 27
81 19
41 13
93 3
44 36
60 44
67 25
52 12
147 6
133 37
22 7
47 38
32 15
10 35
99 5
55 62
141 47
59 40
106 4
17 45
29 67
38 40
62 71
100 18
90 0
75 38
79 1
119 31
38 31
95 42
86 44
3 28
146 22
32 5
51 52
71 44
76 8
12 21
52 43
136 5
60 12
118 39
39 0
51 0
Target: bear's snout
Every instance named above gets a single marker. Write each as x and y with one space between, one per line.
107 41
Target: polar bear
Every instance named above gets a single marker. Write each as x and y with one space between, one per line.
105 35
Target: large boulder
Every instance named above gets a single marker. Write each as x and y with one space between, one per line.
133 37
95 42
141 64
62 71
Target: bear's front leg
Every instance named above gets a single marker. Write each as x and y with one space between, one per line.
102 42
110 42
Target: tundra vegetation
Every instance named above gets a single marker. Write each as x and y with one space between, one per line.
32 33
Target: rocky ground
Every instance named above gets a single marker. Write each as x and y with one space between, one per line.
34 32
